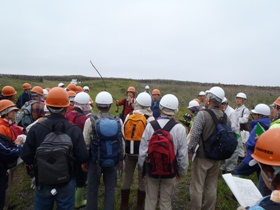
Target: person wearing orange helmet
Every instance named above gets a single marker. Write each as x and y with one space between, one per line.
25 96
155 103
71 94
267 156
8 92
57 103
127 103
37 109
11 136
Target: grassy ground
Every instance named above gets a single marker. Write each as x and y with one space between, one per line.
20 193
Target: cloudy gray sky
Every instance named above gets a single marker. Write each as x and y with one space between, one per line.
231 42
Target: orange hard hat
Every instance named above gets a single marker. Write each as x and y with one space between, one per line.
131 89
155 92
26 86
71 93
48 89
277 101
38 90
72 87
79 89
57 97
266 151
8 91
5 104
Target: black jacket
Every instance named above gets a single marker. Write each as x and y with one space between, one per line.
38 132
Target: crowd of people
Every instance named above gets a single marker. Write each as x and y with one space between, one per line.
103 144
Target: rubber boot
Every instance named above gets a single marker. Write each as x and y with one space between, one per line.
79 195
124 199
140 200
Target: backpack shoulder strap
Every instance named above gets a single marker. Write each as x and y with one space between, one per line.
155 125
212 115
169 125
146 116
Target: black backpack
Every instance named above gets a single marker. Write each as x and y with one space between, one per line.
54 157
222 143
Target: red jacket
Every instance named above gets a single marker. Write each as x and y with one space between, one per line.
10 130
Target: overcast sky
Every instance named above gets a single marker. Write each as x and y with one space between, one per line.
225 41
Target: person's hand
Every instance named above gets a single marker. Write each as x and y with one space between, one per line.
19 141
84 167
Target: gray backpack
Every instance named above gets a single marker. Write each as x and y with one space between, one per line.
24 115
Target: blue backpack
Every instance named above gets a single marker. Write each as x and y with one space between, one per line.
106 144
222 143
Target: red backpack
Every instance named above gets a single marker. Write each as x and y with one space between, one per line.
161 162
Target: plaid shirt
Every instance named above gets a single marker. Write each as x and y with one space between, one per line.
38 110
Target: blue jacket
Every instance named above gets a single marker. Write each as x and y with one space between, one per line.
9 152
155 108
251 142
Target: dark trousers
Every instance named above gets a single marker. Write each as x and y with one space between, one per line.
4 178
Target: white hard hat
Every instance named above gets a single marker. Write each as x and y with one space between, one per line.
82 98
169 104
144 99
45 91
104 98
193 103
147 87
224 100
241 95
262 109
218 92
60 84
86 88
202 93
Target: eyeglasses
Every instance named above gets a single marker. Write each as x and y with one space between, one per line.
272 169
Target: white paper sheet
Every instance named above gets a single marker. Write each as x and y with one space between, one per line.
244 190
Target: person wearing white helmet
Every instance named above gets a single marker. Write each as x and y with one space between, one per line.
61 84
202 99
147 89
193 108
261 114
204 177
86 90
103 101
142 107
78 116
164 186
228 165
243 115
